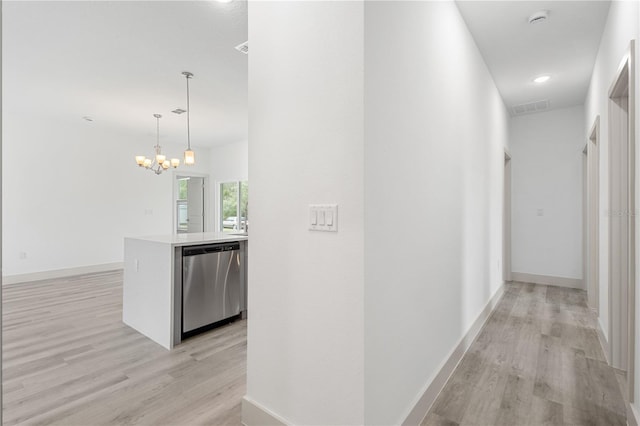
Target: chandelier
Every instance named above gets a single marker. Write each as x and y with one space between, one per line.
159 162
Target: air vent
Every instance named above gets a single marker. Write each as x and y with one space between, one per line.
530 108
244 47
179 111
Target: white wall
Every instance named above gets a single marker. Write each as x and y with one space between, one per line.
546 164
622 26
305 337
435 131
72 191
229 162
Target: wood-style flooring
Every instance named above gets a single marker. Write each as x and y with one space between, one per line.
69 360
537 361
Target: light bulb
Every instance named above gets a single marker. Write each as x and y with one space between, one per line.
175 162
166 164
140 160
160 158
147 162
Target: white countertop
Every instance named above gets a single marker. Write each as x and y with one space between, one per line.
177 240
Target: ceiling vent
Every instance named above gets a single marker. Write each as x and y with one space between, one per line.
179 111
244 47
539 16
530 107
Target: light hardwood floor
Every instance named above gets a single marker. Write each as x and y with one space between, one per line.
69 360
537 361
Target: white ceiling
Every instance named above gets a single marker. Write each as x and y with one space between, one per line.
564 46
120 62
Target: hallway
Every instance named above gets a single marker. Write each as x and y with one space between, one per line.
537 361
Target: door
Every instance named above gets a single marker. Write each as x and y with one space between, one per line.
195 204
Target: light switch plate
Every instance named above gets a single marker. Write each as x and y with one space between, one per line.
323 217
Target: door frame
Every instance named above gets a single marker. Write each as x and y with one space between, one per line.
506 219
206 203
624 81
591 204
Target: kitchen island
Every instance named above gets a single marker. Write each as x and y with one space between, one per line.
152 286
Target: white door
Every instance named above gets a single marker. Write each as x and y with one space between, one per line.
195 204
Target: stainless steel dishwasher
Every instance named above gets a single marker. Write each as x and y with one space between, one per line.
211 286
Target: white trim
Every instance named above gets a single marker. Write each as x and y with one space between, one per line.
592 277
254 414
427 397
623 347
61 273
548 280
506 218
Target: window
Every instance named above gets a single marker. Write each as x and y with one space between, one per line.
234 206
182 213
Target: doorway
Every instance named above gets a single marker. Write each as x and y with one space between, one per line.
622 219
506 220
190 204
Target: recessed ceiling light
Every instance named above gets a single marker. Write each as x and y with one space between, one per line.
541 79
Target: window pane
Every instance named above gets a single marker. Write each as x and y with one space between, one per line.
244 205
182 189
229 206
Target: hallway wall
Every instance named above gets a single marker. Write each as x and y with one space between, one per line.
546 164
435 132
622 26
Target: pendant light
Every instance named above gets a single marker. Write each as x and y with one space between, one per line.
189 155
159 162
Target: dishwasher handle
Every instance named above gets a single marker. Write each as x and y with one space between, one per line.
213 248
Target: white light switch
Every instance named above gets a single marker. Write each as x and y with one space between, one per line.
323 217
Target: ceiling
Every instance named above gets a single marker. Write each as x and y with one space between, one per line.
564 46
119 62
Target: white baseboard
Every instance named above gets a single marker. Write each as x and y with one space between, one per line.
426 399
548 280
61 273
254 414
632 415
604 343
